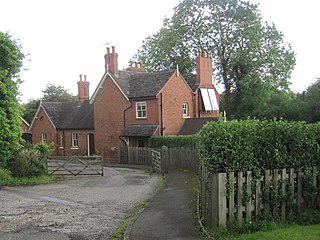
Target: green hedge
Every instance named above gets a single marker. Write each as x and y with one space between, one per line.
254 144
174 141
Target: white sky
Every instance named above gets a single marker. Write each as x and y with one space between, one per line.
66 37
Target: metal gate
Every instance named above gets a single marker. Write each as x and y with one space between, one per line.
75 165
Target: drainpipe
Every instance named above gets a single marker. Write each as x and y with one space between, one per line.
64 143
124 114
161 116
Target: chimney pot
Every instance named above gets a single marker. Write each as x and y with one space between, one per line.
108 50
85 77
80 75
113 49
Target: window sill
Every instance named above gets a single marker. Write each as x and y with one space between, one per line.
185 116
141 118
61 147
75 148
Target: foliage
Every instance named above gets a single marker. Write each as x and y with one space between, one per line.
30 161
311 100
10 124
30 109
5 176
173 141
251 58
276 231
258 145
57 93
52 93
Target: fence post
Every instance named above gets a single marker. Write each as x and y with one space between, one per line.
283 193
231 197
203 192
164 159
219 200
239 197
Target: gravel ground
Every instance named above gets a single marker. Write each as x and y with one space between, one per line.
82 207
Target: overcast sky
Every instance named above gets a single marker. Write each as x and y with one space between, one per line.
65 38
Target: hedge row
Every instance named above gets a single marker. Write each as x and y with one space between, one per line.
174 141
255 144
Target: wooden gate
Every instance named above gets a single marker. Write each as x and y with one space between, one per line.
75 165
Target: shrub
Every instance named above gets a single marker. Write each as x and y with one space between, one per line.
5 177
28 162
173 141
258 145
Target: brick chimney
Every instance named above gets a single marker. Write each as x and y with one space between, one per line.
111 61
204 69
136 67
83 89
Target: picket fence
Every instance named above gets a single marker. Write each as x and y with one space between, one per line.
276 193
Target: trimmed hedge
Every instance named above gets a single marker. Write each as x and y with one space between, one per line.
174 141
254 144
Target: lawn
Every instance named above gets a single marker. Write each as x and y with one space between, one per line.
295 232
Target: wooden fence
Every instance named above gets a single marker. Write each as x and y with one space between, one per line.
244 197
184 158
135 155
75 165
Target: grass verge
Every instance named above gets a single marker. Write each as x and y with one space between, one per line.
118 234
26 181
293 232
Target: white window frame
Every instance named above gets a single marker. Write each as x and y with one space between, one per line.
139 109
185 110
74 140
61 141
44 137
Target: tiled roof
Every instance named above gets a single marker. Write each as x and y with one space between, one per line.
192 82
70 115
193 125
136 130
144 84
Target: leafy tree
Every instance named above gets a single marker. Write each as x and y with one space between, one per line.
251 58
57 93
52 93
311 99
11 60
30 109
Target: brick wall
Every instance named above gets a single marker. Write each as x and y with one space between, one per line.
152 112
174 94
43 125
109 105
67 149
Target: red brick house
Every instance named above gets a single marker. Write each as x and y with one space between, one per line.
26 134
68 125
131 106
127 108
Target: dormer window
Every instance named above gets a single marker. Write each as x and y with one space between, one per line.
185 110
141 110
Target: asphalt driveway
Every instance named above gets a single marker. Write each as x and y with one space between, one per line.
82 207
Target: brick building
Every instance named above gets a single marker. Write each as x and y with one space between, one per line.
68 125
128 107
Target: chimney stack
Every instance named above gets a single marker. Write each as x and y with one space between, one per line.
204 69
111 61
136 67
83 89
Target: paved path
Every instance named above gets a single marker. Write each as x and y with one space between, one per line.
171 214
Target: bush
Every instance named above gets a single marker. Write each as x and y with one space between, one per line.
28 162
258 145
173 141
5 177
